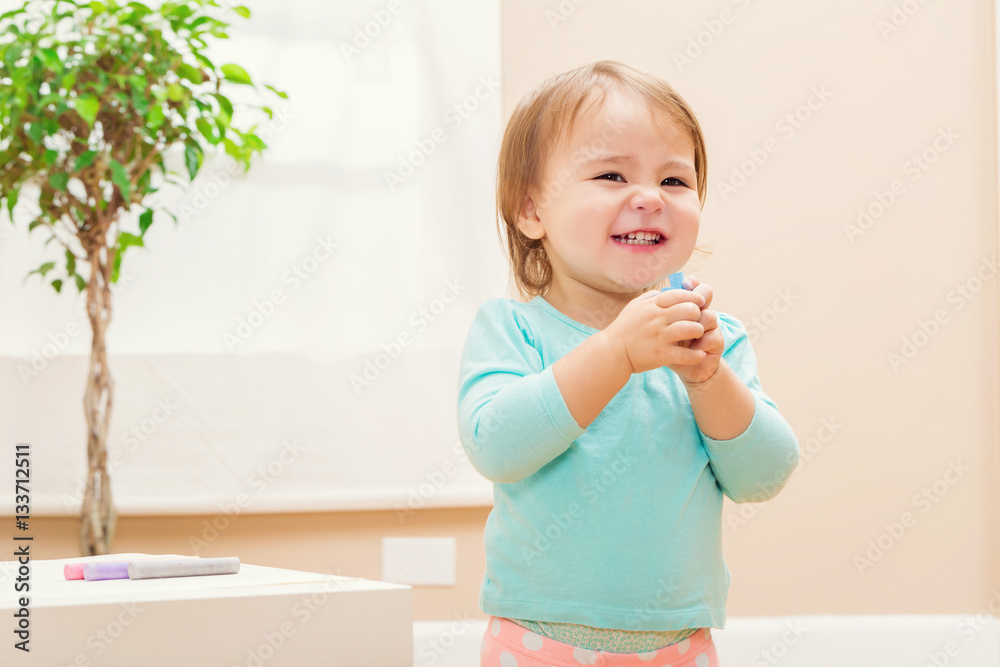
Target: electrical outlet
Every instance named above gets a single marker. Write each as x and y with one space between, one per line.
419 561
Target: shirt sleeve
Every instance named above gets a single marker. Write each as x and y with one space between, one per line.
512 418
755 465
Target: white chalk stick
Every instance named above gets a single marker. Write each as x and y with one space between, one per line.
182 567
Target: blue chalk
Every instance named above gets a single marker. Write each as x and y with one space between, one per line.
676 281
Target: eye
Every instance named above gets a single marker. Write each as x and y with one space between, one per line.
679 181
612 176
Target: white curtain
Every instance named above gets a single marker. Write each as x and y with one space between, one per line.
292 343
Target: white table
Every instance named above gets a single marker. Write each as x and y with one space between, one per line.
260 617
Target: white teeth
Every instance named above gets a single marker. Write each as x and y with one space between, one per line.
639 238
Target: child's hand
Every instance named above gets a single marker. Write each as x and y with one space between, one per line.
712 341
646 333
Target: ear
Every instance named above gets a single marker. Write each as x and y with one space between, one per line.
528 221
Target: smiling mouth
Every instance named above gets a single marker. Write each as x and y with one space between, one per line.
625 240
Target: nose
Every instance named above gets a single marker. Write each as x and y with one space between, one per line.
647 200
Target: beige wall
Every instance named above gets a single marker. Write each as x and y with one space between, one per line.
873 436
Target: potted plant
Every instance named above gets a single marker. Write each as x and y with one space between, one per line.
97 101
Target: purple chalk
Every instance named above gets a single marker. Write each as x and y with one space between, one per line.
100 570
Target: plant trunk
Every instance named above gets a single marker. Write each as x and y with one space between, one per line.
98 516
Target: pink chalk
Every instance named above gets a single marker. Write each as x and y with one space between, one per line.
73 571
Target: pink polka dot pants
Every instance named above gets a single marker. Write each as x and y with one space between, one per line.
507 644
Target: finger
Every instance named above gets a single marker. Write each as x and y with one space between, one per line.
685 311
690 282
709 319
682 330
712 341
688 357
706 292
673 296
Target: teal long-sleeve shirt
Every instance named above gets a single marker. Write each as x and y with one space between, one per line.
619 524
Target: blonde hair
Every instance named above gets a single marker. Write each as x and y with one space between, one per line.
543 118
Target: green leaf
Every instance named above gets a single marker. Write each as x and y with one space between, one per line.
208 131
35 223
126 240
155 118
242 11
80 284
51 59
57 284
145 220
192 159
35 131
70 263
236 74
85 160
120 178
276 92
12 13
225 104
192 74
175 92
12 202
44 268
59 181
204 61
199 21
254 142
88 106
50 157
116 267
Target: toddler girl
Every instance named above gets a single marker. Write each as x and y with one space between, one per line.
610 416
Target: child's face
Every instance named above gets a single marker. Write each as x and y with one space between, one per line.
618 172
